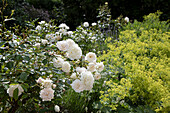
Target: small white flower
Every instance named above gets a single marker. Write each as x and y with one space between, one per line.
94 24
70 33
97 76
63 31
42 22
93 37
63 26
37 45
54 86
86 24
51 37
58 62
80 70
73 76
62 45
100 66
40 80
85 32
38 28
91 67
58 37
11 89
47 83
57 108
77 85
91 57
47 94
51 75
15 42
66 67
126 19
44 42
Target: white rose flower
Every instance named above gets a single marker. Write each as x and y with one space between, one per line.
97 76
100 66
58 62
44 42
47 94
74 52
62 45
92 67
80 70
66 67
85 32
87 79
40 80
51 37
37 45
93 37
38 28
70 33
77 85
11 89
57 108
54 86
91 57
94 24
126 19
42 22
63 31
86 24
73 76
63 26
47 83
15 42
70 42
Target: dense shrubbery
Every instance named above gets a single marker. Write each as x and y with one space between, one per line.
73 12
45 62
139 63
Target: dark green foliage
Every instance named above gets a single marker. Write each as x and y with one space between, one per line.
74 12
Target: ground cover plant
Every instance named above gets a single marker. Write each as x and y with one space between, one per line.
139 63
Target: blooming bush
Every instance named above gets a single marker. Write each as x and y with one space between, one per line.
35 62
139 64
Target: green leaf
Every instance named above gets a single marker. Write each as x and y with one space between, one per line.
27 58
18 57
45 61
10 65
25 87
2 43
15 94
24 76
1 90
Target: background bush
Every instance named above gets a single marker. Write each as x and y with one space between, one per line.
73 12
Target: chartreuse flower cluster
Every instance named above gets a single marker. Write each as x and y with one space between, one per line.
141 63
44 55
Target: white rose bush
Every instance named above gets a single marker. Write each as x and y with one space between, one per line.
40 64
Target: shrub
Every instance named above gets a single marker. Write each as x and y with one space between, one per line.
139 63
39 64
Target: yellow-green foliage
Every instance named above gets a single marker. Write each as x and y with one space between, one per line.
145 62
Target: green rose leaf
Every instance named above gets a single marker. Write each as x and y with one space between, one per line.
45 61
25 87
18 57
24 76
10 65
15 93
